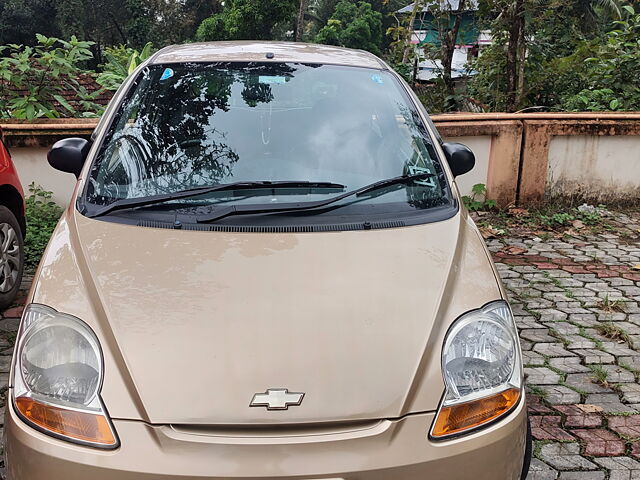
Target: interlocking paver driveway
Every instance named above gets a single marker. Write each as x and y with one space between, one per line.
576 300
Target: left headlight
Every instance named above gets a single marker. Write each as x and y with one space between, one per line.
482 369
57 378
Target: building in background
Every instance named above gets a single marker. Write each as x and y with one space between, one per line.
425 33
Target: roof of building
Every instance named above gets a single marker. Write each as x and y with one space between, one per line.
67 92
452 5
253 51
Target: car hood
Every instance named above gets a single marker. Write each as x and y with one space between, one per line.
194 323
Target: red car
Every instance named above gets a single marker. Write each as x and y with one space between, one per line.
12 229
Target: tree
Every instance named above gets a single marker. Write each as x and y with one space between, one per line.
212 29
139 24
353 25
611 75
20 20
248 20
300 23
447 19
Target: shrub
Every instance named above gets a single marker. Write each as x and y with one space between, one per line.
42 216
121 62
478 200
33 79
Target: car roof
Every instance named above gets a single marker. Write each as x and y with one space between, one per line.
254 51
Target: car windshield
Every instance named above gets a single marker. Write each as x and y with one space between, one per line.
189 125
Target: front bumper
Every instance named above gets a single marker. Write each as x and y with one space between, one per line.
398 450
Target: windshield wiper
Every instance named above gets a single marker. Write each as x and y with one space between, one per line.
127 203
306 206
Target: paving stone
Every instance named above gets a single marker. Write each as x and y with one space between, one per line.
535 405
559 395
600 443
578 342
625 425
577 416
617 349
528 322
609 402
592 355
585 383
565 456
551 315
585 320
629 328
634 341
537 335
539 470
5 363
563 328
541 376
568 365
15 312
616 374
620 468
553 350
581 476
547 427
632 362
630 392
624 475
9 324
532 359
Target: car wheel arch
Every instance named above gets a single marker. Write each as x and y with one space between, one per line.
12 199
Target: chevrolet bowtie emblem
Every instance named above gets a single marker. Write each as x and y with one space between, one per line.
276 399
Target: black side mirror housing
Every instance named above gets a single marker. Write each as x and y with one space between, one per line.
460 157
68 155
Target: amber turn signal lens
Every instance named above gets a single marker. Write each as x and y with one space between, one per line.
86 427
458 418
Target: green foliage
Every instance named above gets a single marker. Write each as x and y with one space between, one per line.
42 215
478 200
248 20
353 25
44 72
580 56
611 75
436 97
20 20
552 218
556 219
121 62
212 29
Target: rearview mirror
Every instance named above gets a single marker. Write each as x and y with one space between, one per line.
460 157
68 155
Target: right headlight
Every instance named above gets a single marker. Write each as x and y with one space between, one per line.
482 369
57 378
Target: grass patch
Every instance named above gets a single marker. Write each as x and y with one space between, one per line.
611 306
612 331
536 390
599 375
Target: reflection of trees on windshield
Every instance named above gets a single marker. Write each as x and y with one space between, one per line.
424 193
166 137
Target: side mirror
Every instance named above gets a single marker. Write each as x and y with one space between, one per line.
68 155
460 157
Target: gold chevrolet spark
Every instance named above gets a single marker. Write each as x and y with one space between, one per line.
265 272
